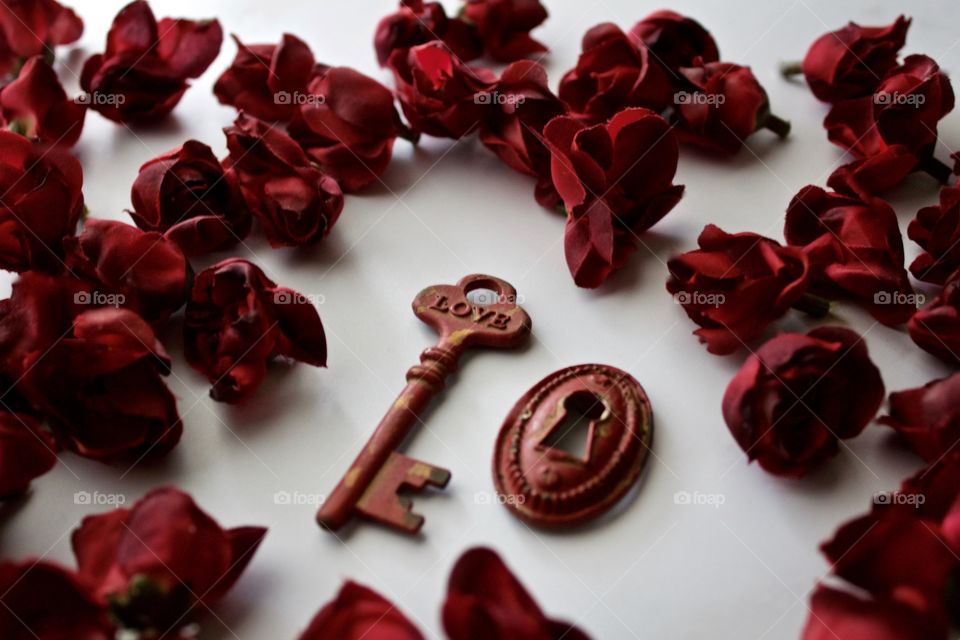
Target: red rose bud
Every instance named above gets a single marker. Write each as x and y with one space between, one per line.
360 613
265 80
612 73
674 40
927 418
876 173
798 395
417 22
144 71
936 327
855 251
722 106
348 126
33 27
43 601
154 563
26 452
937 230
94 374
616 181
513 130
185 195
295 203
439 94
852 61
43 202
836 614
36 106
485 600
735 285
237 319
503 26
126 267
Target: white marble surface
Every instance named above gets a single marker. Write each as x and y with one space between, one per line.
658 570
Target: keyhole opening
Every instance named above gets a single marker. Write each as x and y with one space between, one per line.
572 434
483 297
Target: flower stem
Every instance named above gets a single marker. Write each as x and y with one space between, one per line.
779 126
812 305
408 134
938 170
791 68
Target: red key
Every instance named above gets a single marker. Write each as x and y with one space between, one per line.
370 487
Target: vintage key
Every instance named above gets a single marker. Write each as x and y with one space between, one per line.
370 488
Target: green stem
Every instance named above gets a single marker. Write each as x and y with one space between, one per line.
938 170
779 126
791 68
812 305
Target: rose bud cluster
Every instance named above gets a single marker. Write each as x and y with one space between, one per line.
499 29
35 105
884 112
144 570
33 28
735 285
927 418
855 251
237 320
900 562
484 600
799 395
937 230
143 73
670 64
936 327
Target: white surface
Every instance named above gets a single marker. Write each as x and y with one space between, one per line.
657 570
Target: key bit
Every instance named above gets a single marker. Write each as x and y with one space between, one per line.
371 485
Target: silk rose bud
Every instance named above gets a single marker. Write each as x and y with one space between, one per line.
237 319
295 203
799 395
185 195
675 40
839 614
33 27
612 73
936 327
154 563
721 106
264 79
927 418
615 181
360 613
850 62
503 27
440 95
27 450
36 106
42 203
348 127
937 230
417 22
735 285
144 71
